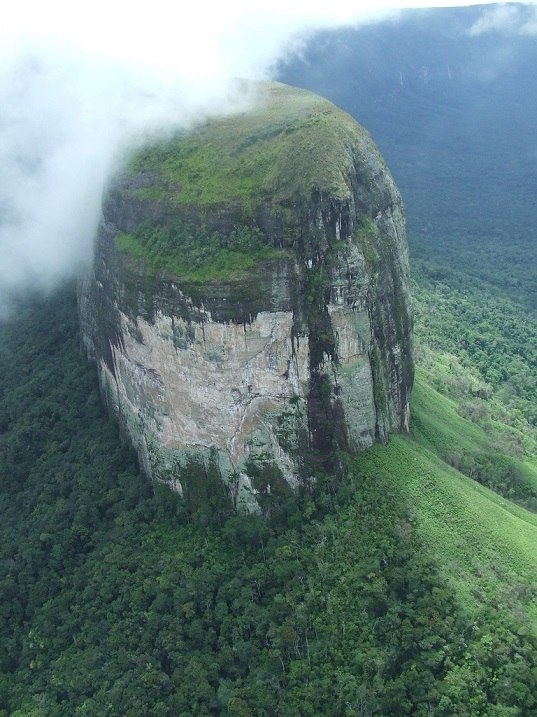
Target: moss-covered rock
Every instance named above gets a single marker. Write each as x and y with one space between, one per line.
249 298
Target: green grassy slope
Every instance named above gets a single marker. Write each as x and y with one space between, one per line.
484 543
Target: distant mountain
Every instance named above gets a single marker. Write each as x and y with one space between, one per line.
451 101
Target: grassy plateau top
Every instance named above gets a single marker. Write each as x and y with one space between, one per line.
289 143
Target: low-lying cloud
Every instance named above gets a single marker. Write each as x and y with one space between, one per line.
507 19
64 124
78 83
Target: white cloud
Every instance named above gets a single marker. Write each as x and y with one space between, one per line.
529 27
507 19
499 18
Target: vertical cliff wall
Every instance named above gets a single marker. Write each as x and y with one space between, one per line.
248 307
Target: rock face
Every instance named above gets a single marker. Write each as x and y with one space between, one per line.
248 307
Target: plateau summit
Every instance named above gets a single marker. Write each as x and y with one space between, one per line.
248 306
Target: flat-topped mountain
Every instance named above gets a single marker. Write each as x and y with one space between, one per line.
248 307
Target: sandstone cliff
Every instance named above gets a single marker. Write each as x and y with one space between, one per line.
248 306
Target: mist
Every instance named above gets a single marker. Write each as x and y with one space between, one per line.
81 84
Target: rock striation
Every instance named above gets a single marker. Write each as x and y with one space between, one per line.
248 307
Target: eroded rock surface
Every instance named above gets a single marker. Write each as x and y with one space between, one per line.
248 307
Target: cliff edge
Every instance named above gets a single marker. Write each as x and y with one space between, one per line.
248 307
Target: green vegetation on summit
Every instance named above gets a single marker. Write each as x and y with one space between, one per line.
195 254
289 143
238 185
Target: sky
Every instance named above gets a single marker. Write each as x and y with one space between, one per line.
81 82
